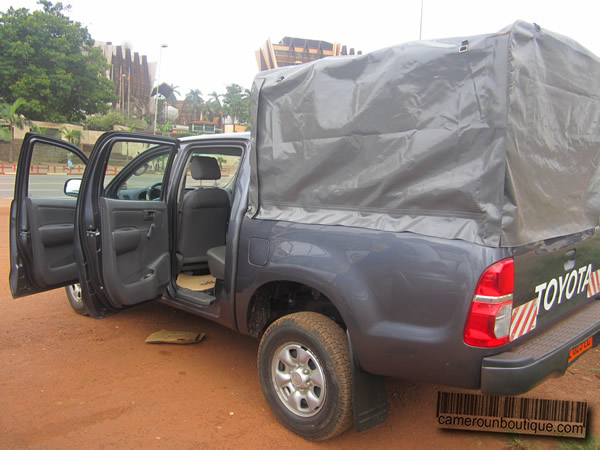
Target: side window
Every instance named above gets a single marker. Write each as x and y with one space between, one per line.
228 165
136 171
51 167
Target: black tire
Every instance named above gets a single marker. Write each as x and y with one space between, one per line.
305 374
74 295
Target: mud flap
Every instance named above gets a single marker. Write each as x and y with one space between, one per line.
368 396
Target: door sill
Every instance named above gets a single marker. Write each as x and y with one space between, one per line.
196 297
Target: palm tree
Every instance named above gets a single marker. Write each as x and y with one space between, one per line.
165 129
6 133
136 127
214 106
194 98
73 136
174 90
215 97
37 129
8 115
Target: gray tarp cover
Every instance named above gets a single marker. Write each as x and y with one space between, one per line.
494 141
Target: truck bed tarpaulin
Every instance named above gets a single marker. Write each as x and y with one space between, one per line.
492 139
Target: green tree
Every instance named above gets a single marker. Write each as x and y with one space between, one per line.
137 126
245 110
37 129
73 136
196 103
9 119
105 122
214 108
174 90
221 160
236 103
50 61
166 129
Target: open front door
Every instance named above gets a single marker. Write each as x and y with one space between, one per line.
123 223
42 216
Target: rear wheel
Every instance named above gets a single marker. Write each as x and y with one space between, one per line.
75 299
305 374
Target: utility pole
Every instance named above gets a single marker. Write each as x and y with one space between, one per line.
157 84
421 24
128 86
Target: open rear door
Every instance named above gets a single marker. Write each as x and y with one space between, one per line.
42 216
123 223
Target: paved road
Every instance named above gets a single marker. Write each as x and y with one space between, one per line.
51 186
40 185
7 186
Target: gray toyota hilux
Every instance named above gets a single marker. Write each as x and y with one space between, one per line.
428 212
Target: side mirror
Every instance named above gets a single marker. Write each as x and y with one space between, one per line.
72 186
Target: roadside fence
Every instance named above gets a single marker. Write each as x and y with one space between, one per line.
64 169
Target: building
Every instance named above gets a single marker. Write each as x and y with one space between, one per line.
187 114
291 51
131 75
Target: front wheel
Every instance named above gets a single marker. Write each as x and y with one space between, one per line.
75 299
305 374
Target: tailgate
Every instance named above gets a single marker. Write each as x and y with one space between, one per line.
555 315
553 280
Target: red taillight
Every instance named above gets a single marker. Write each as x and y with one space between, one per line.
488 323
498 280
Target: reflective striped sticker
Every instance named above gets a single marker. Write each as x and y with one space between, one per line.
524 318
594 284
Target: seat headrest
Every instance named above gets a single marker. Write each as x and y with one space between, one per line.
205 168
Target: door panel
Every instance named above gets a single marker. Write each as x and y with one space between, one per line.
122 238
52 230
135 247
42 217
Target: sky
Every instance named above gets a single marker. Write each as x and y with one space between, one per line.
212 44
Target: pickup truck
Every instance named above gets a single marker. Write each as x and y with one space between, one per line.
427 212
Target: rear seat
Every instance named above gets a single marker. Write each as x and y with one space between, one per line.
216 262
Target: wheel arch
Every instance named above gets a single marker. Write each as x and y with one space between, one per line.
276 298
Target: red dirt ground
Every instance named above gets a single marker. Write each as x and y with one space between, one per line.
68 381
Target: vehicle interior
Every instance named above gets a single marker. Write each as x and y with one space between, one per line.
145 242
205 194
204 205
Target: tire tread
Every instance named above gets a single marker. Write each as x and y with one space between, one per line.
334 341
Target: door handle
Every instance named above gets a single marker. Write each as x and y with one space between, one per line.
150 230
149 214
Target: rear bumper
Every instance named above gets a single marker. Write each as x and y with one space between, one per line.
547 355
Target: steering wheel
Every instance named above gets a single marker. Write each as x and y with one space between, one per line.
154 191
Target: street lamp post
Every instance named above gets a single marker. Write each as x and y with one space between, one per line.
421 22
157 84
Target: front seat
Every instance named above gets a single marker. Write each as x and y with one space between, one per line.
204 215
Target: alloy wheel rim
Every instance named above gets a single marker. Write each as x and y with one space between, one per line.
76 291
299 379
